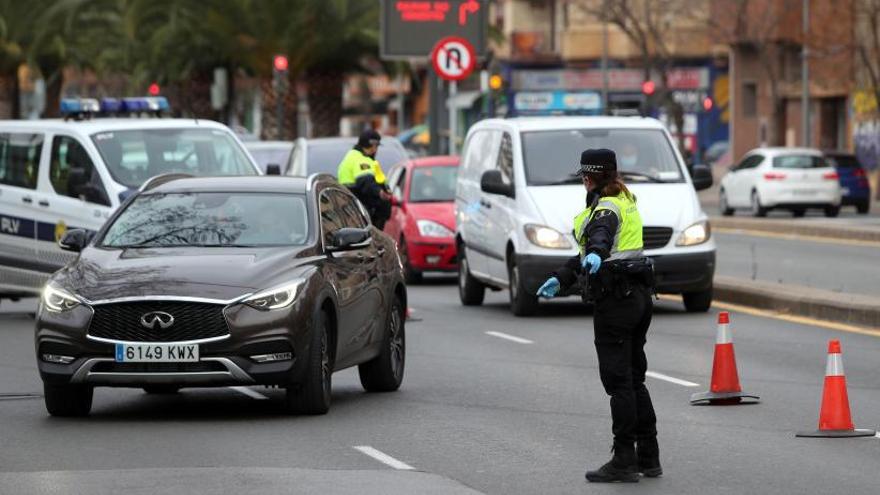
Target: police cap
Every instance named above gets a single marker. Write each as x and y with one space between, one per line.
369 138
596 161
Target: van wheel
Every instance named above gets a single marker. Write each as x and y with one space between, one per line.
68 400
863 206
470 290
312 396
832 211
697 302
757 209
522 301
384 373
726 210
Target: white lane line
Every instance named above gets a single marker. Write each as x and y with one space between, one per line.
253 394
383 457
512 338
671 379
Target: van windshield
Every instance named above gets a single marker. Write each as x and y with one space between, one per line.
134 156
643 155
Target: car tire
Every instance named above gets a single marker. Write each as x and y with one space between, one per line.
161 389
726 210
863 207
384 373
68 400
411 275
832 211
757 209
522 302
312 395
798 213
697 302
470 290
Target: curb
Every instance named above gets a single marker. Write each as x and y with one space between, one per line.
837 307
786 226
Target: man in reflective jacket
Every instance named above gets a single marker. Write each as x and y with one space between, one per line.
363 175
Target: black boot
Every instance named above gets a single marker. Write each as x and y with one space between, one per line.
648 454
623 467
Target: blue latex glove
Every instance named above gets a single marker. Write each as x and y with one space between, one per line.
550 288
592 262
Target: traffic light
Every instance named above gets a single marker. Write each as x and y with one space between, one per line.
279 63
154 89
648 88
708 103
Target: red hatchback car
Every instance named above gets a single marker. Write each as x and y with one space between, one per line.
422 215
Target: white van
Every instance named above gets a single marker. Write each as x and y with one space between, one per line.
517 196
61 174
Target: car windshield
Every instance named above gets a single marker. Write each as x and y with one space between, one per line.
799 161
432 184
210 219
643 155
134 156
324 158
264 156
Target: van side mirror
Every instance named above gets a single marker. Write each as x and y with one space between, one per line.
74 240
349 238
702 177
273 169
491 182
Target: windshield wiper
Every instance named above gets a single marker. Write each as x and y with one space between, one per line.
640 175
571 179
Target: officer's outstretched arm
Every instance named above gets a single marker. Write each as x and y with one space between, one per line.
567 273
601 231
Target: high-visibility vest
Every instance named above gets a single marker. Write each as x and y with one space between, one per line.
627 239
356 164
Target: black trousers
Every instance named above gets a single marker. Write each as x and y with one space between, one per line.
621 324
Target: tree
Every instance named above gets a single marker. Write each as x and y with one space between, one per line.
18 23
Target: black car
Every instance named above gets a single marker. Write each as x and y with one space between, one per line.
201 282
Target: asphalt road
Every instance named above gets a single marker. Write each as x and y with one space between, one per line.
477 412
838 267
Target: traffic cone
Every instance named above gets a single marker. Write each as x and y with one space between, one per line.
725 387
834 416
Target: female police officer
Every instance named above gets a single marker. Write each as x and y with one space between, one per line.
609 233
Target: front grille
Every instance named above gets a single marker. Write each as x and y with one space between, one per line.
201 366
656 237
192 321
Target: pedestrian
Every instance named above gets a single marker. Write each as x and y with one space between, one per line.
362 174
620 282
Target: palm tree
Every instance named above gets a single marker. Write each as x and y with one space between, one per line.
17 27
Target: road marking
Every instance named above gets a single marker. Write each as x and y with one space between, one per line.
671 379
795 237
803 320
383 458
512 338
253 394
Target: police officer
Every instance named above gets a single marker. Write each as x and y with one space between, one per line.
361 173
620 281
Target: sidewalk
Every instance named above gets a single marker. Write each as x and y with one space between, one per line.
829 228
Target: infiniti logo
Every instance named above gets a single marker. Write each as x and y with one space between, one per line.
153 318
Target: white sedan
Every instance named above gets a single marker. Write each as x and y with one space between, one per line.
793 179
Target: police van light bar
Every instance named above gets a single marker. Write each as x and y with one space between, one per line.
85 107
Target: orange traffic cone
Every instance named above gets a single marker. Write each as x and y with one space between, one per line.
725 387
834 416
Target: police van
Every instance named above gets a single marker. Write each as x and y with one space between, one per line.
73 172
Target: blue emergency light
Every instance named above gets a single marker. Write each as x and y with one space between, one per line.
83 108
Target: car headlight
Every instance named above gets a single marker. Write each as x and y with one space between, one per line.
277 298
428 228
546 237
697 233
59 300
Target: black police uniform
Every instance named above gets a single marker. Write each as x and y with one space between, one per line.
621 292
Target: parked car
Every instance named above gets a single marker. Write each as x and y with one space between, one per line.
204 282
854 187
322 155
517 196
267 153
794 179
422 217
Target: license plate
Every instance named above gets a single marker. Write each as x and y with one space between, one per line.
157 353
803 192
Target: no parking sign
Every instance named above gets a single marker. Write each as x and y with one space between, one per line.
453 58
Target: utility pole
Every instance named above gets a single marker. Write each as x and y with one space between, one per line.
605 57
805 77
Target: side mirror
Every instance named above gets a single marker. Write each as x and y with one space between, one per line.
74 240
492 183
702 177
349 238
273 169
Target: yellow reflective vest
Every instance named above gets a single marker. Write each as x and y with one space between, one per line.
627 239
356 164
